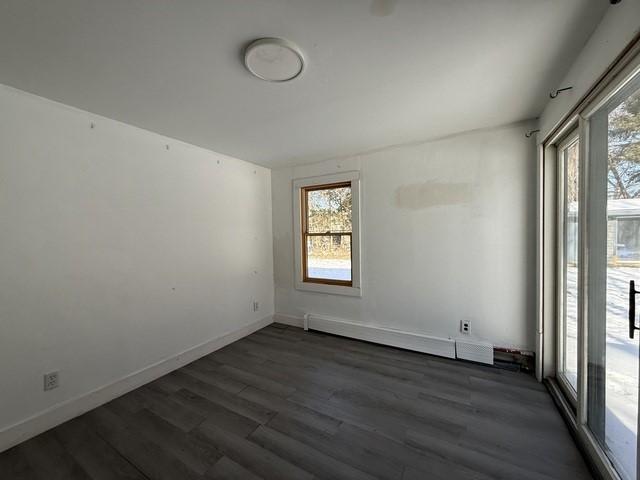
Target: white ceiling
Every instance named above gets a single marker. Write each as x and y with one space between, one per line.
379 72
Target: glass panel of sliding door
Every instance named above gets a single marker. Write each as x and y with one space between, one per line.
613 230
568 268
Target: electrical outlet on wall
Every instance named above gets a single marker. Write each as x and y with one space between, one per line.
51 380
465 326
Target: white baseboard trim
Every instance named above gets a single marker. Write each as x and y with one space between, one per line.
288 320
73 407
443 347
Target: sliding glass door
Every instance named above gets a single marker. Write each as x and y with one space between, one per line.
613 258
568 242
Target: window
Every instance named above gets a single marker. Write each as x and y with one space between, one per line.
568 152
327 236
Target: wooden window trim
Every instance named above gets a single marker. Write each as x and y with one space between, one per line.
305 234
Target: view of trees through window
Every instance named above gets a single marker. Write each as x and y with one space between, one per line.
624 149
623 178
327 233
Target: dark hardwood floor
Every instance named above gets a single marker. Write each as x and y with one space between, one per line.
288 404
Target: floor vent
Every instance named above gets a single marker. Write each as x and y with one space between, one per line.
475 351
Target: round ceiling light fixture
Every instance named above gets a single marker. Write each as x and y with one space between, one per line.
274 59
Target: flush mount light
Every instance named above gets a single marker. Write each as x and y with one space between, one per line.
274 59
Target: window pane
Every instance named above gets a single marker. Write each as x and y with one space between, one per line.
614 258
570 350
329 257
329 210
621 353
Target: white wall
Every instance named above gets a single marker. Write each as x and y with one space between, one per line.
618 27
116 253
448 233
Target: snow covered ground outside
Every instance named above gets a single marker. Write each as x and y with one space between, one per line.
621 365
335 269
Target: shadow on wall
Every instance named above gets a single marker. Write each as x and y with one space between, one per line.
429 194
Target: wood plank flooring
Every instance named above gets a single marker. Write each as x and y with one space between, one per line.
287 404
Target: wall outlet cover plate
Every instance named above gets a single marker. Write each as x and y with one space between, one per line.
51 380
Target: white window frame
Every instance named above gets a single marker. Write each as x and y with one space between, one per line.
354 177
560 146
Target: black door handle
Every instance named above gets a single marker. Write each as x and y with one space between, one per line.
632 308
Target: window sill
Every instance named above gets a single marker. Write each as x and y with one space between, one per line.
329 289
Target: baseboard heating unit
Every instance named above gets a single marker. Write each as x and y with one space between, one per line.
474 350
443 347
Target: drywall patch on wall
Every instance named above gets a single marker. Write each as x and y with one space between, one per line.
432 193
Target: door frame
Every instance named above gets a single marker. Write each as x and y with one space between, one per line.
616 78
